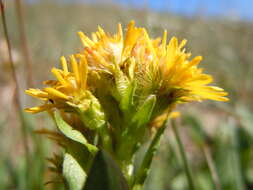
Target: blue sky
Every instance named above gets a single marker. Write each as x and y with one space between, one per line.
238 9
242 9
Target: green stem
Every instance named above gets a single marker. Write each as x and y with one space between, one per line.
106 138
146 163
183 155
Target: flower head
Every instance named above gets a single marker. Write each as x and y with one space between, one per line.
68 90
111 65
155 66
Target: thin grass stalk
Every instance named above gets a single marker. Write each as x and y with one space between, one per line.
235 155
212 168
25 50
17 103
183 155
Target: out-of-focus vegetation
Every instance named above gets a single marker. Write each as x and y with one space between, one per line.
217 136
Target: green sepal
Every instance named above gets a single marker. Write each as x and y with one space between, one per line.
121 82
105 174
93 117
73 134
124 91
144 113
126 102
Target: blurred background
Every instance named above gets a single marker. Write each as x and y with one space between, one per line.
217 136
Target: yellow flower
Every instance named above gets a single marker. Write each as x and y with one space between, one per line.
114 62
103 51
70 88
157 67
181 74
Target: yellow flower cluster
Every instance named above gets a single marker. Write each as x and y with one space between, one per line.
116 87
108 62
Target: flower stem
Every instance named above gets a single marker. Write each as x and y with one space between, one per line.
106 138
183 155
142 173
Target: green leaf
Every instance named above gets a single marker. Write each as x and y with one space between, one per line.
73 173
73 134
105 174
143 115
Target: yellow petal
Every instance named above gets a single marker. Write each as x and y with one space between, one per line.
94 37
171 52
101 31
75 69
64 65
85 40
120 32
150 45
182 44
195 61
56 93
98 58
50 82
132 35
38 109
211 92
59 77
164 42
37 93
83 72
